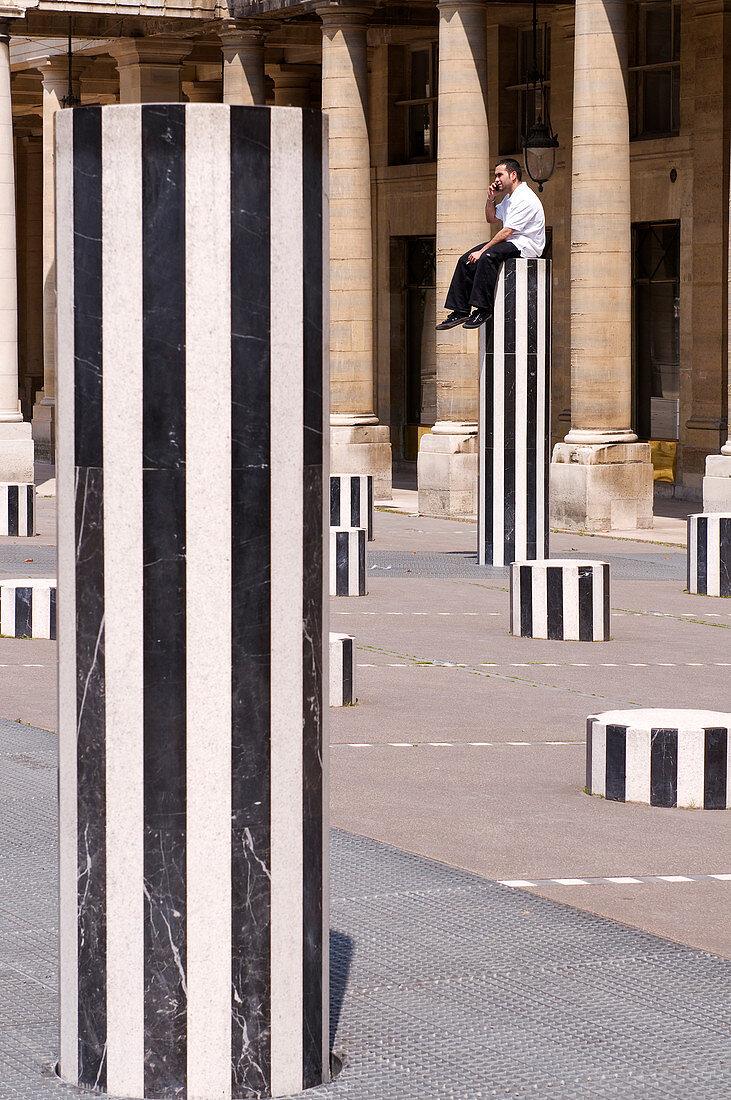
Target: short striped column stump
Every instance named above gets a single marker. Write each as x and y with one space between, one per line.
348 561
561 600
660 757
351 501
709 554
342 670
28 608
17 508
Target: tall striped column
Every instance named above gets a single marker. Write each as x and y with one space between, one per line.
514 435
192 644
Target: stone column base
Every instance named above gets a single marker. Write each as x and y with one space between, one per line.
602 487
44 428
16 453
447 475
717 484
363 449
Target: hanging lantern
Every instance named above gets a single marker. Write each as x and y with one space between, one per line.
539 143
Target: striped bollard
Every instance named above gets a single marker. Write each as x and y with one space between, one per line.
514 426
348 561
17 509
351 501
660 757
709 554
28 607
342 670
193 830
560 600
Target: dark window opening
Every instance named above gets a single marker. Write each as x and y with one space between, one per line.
655 71
656 329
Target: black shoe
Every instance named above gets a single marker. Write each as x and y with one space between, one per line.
452 320
477 318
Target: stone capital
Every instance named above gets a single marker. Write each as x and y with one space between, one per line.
459 5
338 13
235 35
55 71
149 51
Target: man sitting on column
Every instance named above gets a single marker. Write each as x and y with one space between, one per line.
523 234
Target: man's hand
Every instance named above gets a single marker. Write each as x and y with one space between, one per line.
474 256
492 192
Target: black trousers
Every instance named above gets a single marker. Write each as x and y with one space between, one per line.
473 285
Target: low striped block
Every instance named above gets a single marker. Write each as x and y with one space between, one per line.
17 508
660 757
561 600
342 670
348 561
351 501
28 608
709 554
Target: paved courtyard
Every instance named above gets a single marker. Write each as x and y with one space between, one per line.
477 948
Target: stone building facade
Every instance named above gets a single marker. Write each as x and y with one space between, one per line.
423 99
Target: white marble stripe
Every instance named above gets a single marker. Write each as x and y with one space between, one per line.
540 440
539 582
637 782
124 623
597 627
356 547
713 556
599 758
208 636
7 611
66 631
482 519
336 654
693 554
521 411
4 509
41 612
498 419
286 601
691 761
571 602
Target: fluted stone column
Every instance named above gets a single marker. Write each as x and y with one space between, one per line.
717 482
601 478
359 444
149 68
447 466
243 64
16 444
55 73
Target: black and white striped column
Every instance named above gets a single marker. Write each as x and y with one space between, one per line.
348 561
562 600
17 508
194 914
660 757
514 435
28 607
342 670
709 554
351 501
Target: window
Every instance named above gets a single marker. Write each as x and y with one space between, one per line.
525 105
656 327
655 74
419 104
420 290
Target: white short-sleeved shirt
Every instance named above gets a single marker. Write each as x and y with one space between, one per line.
523 213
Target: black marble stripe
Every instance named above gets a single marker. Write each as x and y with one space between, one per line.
164 646
52 623
547 411
13 510
87 199
355 519
664 767
715 765
23 612
361 562
607 603
532 411
91 777
370 508
31 509
690 535
348 672
341 563
701 536
589 753
487 443
586 603
509 413
526 601
250 602
335 502
312 637
554 602
616 763
724 524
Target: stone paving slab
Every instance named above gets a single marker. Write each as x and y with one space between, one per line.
462 564
444 985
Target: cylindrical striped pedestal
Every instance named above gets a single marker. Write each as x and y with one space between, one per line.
660 757
17 508
342 670
709 554
28 607
351 501
194 914
348 561
561 600
514 435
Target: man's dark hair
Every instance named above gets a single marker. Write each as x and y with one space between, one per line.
511 166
